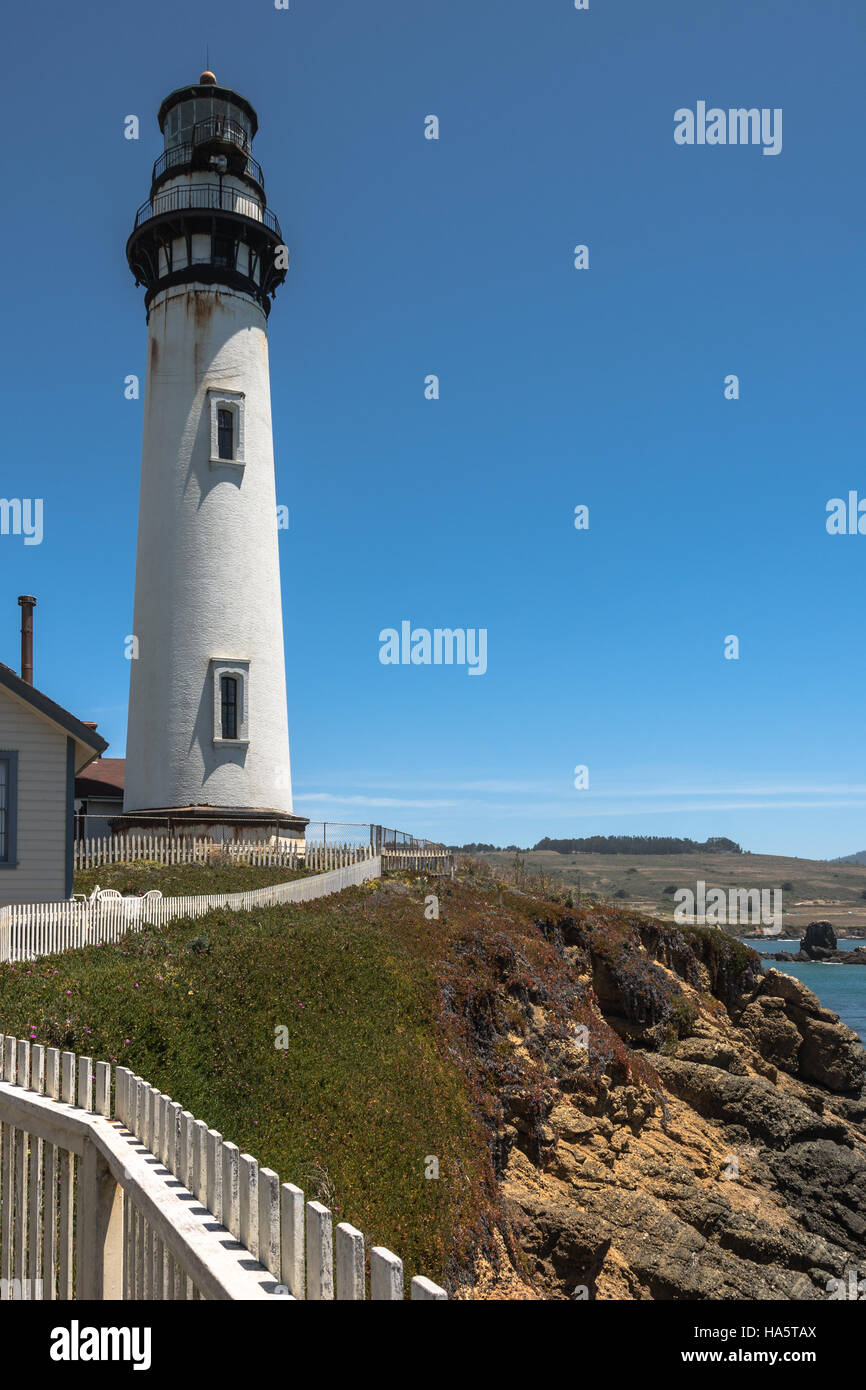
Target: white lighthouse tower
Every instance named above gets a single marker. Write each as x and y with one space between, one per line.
208 742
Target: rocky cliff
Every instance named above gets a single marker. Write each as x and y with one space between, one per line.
666 1121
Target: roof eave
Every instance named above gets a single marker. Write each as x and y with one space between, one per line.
51 710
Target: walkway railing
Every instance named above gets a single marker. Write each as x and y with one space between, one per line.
151 1204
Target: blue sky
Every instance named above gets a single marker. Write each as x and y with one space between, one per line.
558 387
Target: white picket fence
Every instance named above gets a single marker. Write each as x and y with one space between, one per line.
161 849
86 1213
28 930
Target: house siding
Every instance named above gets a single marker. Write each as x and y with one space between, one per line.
41 874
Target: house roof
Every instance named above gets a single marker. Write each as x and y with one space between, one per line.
104 778
83 733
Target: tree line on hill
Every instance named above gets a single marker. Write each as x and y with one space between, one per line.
487 849
641 844
619 844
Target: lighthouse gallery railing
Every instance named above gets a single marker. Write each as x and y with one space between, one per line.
180 156
208 197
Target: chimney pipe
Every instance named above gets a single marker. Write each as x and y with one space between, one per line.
28 603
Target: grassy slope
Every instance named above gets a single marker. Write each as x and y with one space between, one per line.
181 880
408 1038
833 892
366 1089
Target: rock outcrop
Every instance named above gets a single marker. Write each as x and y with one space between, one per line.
820 944
829 1053
819 937
667 1121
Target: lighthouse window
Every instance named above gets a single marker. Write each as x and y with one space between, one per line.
223 252
231 702
226 434
229 686
226 412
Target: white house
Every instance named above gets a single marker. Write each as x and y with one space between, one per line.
42 749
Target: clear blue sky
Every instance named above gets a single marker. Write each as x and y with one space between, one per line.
559 387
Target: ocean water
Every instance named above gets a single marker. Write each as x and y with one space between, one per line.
841 988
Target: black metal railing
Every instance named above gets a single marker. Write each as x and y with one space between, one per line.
221 128
208 197
181 155
359 832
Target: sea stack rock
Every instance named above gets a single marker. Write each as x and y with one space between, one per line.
819 941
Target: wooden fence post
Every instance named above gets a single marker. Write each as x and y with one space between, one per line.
248 1203
100 1229
423 1289
350 1263
269 1221
386 1275
230 1189
292 1240
320 1253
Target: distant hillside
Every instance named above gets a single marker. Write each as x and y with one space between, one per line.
617 844
858 858
640 844
812 890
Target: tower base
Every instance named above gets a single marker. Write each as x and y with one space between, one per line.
221 824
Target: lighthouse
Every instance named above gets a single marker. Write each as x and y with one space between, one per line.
208 740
